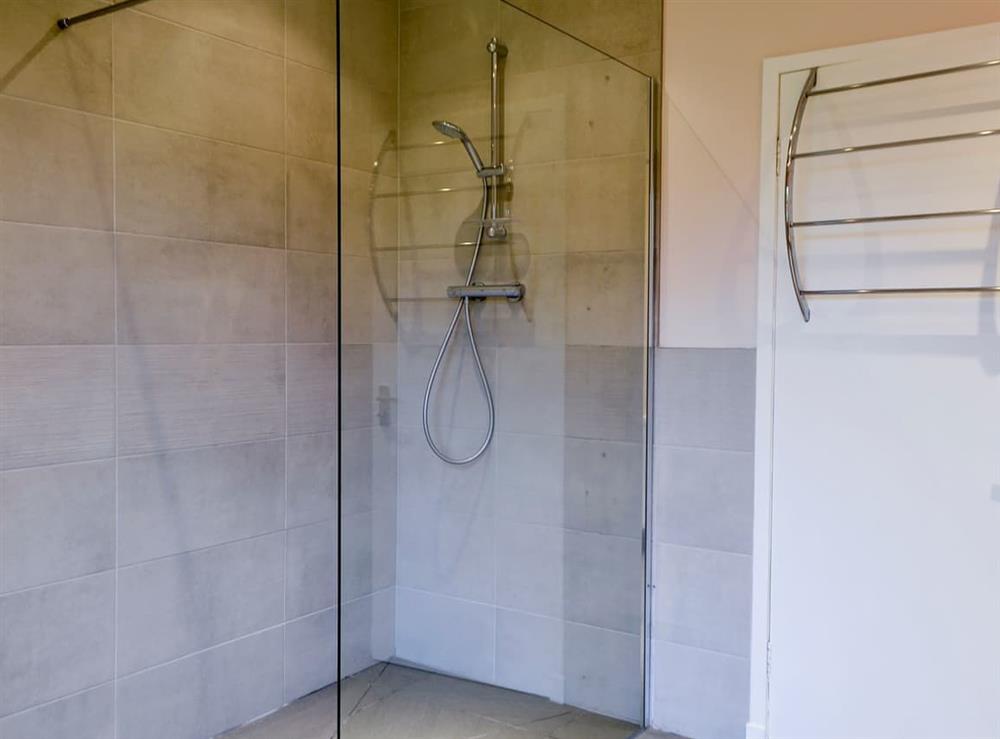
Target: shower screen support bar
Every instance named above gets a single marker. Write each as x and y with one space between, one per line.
792 156
64 23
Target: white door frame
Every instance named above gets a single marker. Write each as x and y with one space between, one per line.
769 275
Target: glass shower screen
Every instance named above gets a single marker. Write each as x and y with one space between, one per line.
495 233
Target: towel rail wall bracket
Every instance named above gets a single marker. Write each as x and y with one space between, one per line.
792 155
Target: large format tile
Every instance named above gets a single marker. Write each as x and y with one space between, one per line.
205 693
310 653
704 498
172 184
312 297
703 598
89 714
56 286
367 626
312 113
603 671
57 166
312 33
311 478
312 205
178 605
583 484
368 552
447 634
257 23
311 569
173 292
56 640
57 406
705 398
187 395
312 388
56 523
200 84
38 62
173 502
698 693
431 486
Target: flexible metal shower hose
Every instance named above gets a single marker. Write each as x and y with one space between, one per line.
463 308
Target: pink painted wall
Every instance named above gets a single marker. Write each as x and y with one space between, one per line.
713 57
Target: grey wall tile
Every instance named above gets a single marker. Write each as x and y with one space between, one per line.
605 297
704 498
56 286
312 478
457 399
312 388
582 484
447 552
312 206
311 569
429 484
530 653
705 398
173 292
177 605
56 640
604 392
703 598
312 297
699 693
257 23
369 553
88 714
357 386
368 631
56 523
172 184
214 88
58 404
310 653
174 502
601 672
57 166
206 693
312 113
587 578
531 391
74 71
182 396
446 634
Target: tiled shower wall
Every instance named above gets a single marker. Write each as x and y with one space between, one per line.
168 365
524 569
702 529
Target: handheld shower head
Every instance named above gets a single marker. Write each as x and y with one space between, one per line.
453 131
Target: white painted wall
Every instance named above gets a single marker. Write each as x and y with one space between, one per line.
876 547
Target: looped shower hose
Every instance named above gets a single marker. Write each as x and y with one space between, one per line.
463 308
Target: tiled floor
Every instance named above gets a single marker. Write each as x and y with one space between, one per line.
394 702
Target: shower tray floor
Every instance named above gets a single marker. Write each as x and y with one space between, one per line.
389 701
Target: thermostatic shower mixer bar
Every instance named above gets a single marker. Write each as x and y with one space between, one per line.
792 155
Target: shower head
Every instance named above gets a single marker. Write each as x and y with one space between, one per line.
452 131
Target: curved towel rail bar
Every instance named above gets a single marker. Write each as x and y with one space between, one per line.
792 155
793 142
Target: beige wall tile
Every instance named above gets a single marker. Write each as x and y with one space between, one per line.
41 63
57 405
312 205
171 397
56 166
198 84
312 113
370 215
312 32
56 285
605 299
176 185
312 297
258 23
173 291
369 299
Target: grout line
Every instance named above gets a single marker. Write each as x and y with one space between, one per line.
67 696
284 563
114 337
